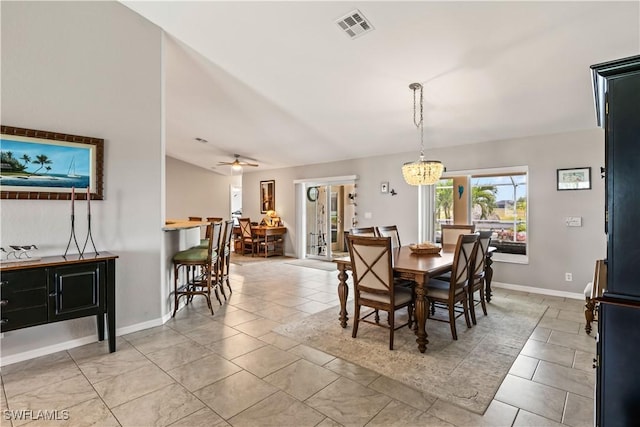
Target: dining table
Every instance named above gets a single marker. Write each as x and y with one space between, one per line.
409 265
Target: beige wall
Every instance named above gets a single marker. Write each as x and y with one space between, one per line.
194 191
553 248
93 69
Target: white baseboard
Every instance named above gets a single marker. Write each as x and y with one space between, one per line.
67 345
533 290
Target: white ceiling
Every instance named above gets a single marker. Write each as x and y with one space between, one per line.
281 84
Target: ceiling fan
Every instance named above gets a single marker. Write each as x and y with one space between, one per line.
237 164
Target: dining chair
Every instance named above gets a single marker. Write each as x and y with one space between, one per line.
195 218
224 257
479 273
203 260
364 231
372 272
389 231
249 241
594 290
450 232
453 292
214 219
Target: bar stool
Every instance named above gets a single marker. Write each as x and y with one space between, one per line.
201 271
224 257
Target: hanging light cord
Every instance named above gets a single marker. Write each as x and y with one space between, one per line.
418 123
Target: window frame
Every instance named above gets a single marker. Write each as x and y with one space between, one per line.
498 257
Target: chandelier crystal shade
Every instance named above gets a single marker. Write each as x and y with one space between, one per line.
421 172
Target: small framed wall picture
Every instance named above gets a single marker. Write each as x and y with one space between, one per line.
384 187
574 179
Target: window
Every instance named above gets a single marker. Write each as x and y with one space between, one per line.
497 201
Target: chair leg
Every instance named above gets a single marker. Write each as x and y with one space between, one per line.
465 307
356 320
472 308
588 314
377 316
482 300
410 313
391 316
452 322
176 270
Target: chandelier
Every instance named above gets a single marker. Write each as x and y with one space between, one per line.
421 172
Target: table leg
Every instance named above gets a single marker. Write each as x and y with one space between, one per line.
488 275
343 294
421 315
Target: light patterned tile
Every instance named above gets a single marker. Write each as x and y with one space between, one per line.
161 407
311 354
279 409
398 391
549 352
540 334
352 371
89 413
528 419
348 402
532 396
302 379
578 411
234 394
60 395
257 328
497 414
561 325
209 335
123 388
563 378
397 414
265 360
178 355
158 341
279 341
524 366
100 368
203 372
581 342
203 418
236 345
27 380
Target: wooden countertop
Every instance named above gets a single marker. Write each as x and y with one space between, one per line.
182 224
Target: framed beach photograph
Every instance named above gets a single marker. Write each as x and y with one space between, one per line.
46 165
267 196
574 179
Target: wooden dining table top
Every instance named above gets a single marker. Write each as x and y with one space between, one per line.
407 261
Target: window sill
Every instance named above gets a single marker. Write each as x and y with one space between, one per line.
510 258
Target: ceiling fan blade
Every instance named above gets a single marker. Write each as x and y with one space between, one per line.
249 164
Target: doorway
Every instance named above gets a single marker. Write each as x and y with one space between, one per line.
329 211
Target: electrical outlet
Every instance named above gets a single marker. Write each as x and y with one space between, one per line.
568 277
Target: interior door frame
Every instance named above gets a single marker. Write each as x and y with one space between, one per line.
301 187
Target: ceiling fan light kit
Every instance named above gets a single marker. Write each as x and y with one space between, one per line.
421 172
237 165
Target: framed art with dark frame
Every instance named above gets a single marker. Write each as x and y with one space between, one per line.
45 165
574 179
267 196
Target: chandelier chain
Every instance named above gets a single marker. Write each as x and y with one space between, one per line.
419 123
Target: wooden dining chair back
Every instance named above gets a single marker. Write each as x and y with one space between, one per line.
389 231
593 291
195 218
249 240
198 264
224 256
214 219
371 264
450 232
363 231
479 272
454 292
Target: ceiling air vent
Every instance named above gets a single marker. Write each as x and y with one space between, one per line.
354 24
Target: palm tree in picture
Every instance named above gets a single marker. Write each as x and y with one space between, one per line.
42 160
444 199
26 159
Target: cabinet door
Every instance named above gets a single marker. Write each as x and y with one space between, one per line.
623 156
618 387
76 290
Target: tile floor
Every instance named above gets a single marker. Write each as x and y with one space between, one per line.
230 369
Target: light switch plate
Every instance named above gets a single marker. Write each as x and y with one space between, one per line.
368 215
573 221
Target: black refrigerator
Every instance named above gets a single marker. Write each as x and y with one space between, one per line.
617 97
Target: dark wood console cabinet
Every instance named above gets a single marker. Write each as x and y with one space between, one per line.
617 90
59 288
